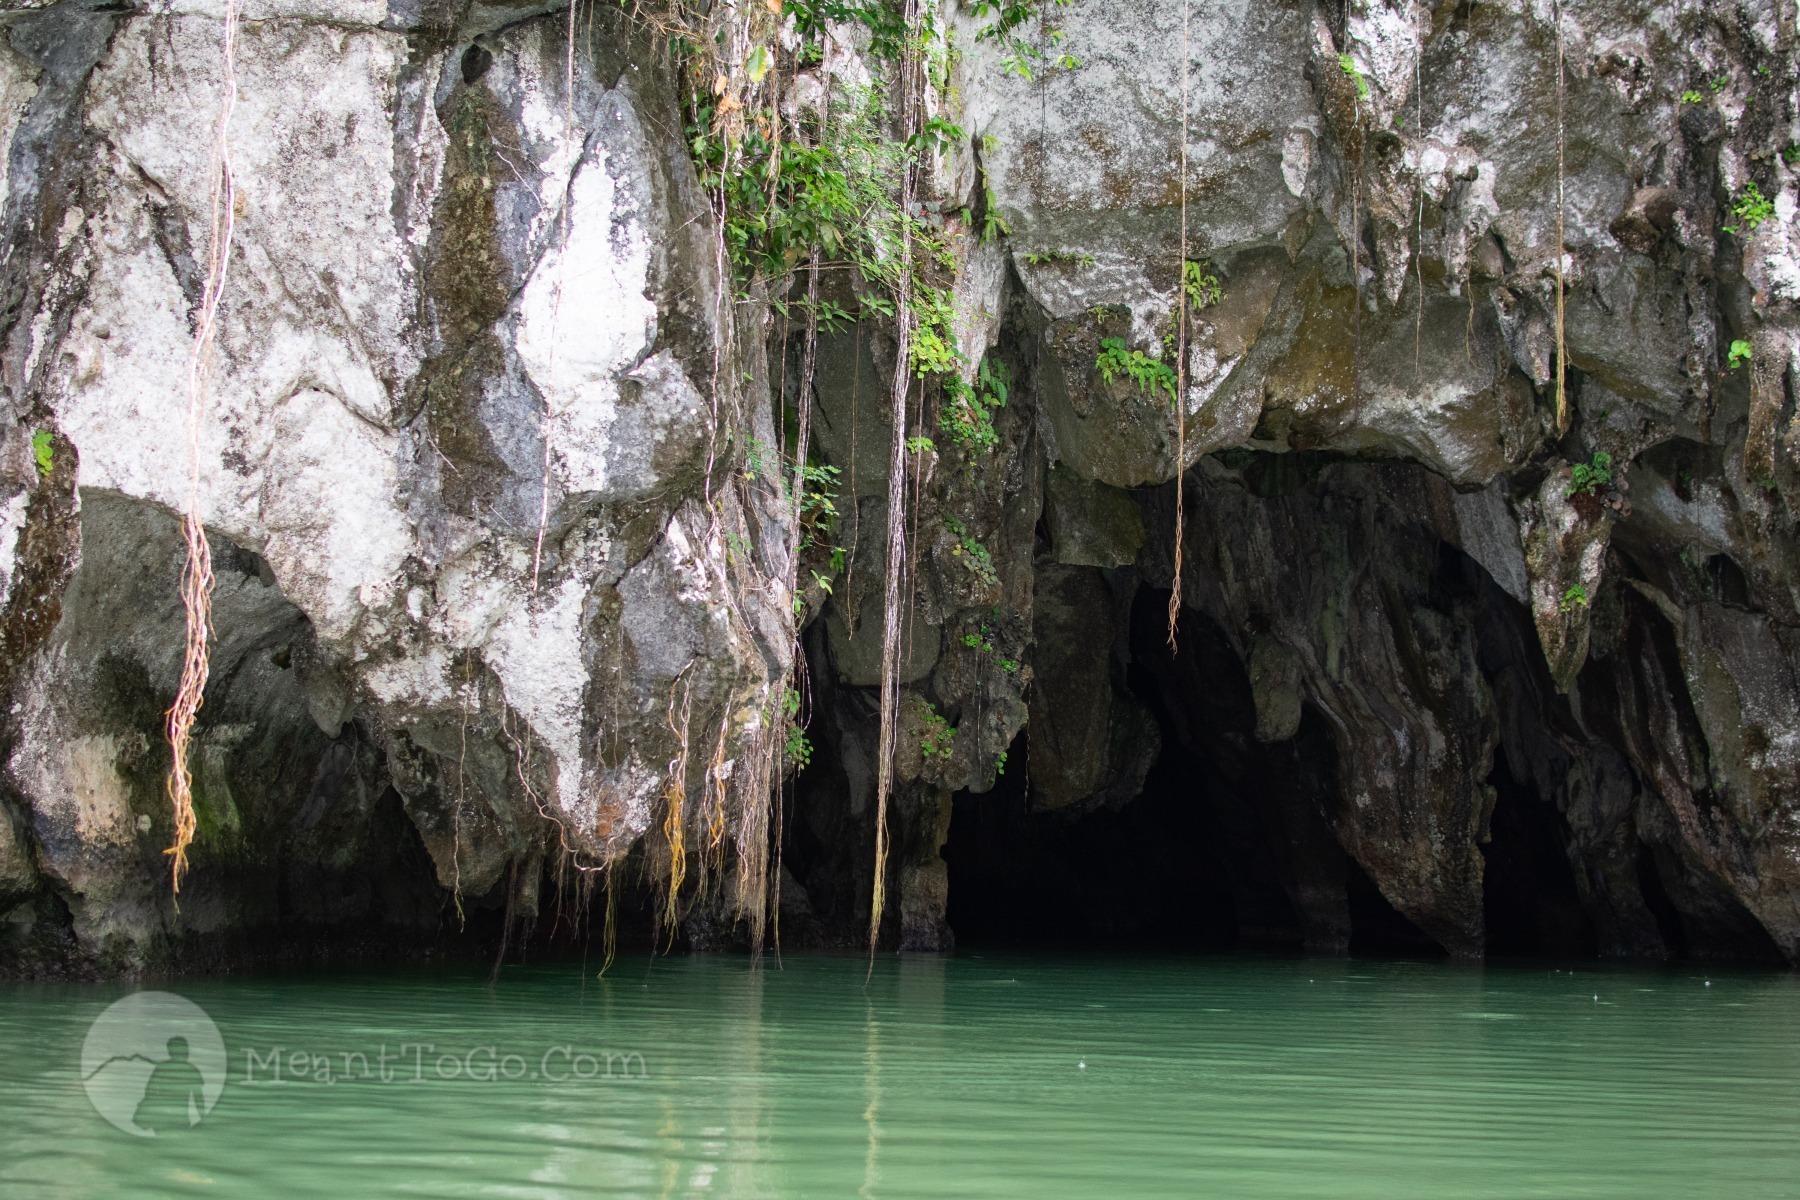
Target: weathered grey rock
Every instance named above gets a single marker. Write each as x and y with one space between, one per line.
453 286
489 466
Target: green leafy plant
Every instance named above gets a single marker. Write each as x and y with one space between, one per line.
1201 284
937 740
1350 68
798 746
1691 97
1751 209
971 553
1737 355
1052 257
1575 597
1718 84
829 315
758 456
993 225
43 451
918 444
1018 56
1589 477
1151 375
967 418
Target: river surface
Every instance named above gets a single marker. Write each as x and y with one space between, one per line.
1023 1076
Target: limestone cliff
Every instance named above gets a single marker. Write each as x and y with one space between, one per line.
501 569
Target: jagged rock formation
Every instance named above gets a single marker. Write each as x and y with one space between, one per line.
1418 668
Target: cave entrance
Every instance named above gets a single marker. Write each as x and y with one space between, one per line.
1142 876
1227 845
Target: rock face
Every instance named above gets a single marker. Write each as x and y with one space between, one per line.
501 572
460 464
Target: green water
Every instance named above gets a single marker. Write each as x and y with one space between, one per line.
939 1078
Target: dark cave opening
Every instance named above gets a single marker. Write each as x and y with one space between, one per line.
1226 847
1143 876
1530 900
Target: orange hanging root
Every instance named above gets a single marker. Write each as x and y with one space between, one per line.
197 573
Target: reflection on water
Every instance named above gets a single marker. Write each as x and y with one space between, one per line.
970 1076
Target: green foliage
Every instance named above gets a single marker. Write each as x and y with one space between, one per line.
759 456
1349 67
1589 477
971 553
937 740
1150 374
799 747
1691 97
1009 665
43 451
1790 153
1201 284
1575 597
829 315
1718 84
934 350
1018 56
825 189
993 225
937 135
967 417
1042 258
818 498
1751 209
1737 355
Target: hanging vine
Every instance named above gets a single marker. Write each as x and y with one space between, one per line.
1562 400
1181 341
197 573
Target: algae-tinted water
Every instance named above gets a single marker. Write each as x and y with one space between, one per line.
940 1077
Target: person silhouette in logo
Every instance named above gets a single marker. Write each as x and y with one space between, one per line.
174 1098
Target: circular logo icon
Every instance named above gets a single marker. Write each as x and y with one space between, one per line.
153 1064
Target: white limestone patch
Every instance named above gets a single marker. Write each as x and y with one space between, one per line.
333 534
586 317
342 12
537 653
12 521
421 678
295 459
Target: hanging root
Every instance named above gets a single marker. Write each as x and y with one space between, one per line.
1562 398
896 523
1181 336
675 817
197 573
609 936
